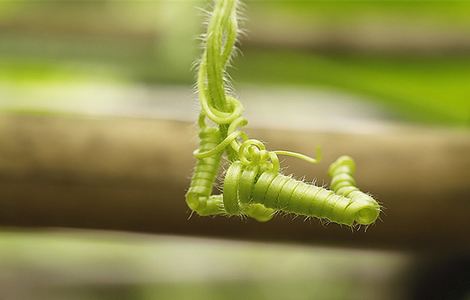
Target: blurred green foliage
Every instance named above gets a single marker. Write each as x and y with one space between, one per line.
154 42
68 264
438 10
433 90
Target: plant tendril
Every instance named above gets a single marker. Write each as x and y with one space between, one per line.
253 185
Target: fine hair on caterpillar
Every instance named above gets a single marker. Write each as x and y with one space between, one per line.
253 184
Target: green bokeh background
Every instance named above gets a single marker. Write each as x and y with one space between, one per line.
153 42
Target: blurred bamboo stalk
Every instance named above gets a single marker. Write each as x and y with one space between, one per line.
131 174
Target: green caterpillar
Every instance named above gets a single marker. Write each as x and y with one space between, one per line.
253 185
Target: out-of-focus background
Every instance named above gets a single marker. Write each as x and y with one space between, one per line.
97 106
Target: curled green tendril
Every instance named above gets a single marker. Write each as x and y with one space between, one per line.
253 185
